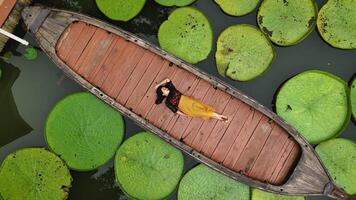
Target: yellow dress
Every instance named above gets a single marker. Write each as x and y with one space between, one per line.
195 108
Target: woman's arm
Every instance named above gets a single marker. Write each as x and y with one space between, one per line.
163 82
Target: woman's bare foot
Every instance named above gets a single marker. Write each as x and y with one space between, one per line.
221 117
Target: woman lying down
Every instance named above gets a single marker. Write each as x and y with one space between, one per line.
184 105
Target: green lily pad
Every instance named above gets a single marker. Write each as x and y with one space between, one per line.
337 22
339 157
34 174
174 2
237 7
353 98
121 10
243 52
262 195
202 183
31 53
316 104
287 22
148 168
84 131
187 34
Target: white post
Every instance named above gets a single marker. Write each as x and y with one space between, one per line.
14 37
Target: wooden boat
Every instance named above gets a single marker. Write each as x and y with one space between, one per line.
10 14
255 147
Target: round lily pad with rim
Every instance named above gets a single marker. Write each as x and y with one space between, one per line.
243 52
237 7
34 174
148 168
121 10
262 195
353 98
187 34
287 22
202 183
84 131
316 104
336 23
174 2
339 157
31 53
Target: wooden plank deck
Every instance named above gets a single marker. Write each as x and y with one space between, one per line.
249 143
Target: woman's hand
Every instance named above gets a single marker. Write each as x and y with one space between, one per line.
162 83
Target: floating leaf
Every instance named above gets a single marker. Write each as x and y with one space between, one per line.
148 168
339 157
202 183
122 10
243 52
353 98
187 34
337 22
31 53
175 2
34 174
237 7
287 22
7 55
316 103
262 195
84 131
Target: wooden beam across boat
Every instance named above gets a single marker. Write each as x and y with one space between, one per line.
255 147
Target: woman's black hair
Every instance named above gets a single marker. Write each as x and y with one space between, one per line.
160 96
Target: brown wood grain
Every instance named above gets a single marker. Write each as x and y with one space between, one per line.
6 7
68 38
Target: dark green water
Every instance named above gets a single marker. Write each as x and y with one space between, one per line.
29 89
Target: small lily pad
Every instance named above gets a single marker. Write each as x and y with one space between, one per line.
243 52
187 34
174 2
237 7
353 98
84 131
262 195
337 22
202 183
34 174
287 22
339 157
31 53
148 168
316 104
121 10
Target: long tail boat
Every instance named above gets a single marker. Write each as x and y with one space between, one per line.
255 147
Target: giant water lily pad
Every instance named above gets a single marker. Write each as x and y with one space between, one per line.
187 34
237 7
122 10
34 174
339 157
148 168
337 22
84 131
175 2
316 104
243 52
262 195
353 98
202 183
287 22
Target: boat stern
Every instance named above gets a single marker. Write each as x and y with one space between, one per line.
34 16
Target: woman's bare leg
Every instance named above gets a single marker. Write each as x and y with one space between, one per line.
220 117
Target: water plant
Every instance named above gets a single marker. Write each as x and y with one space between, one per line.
243 52
202 183
174 2
287 22
262 195
121 10
316 104
34 174
353 98
187 34
148 168
336 23
30 53
237 7
339 157
84 131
